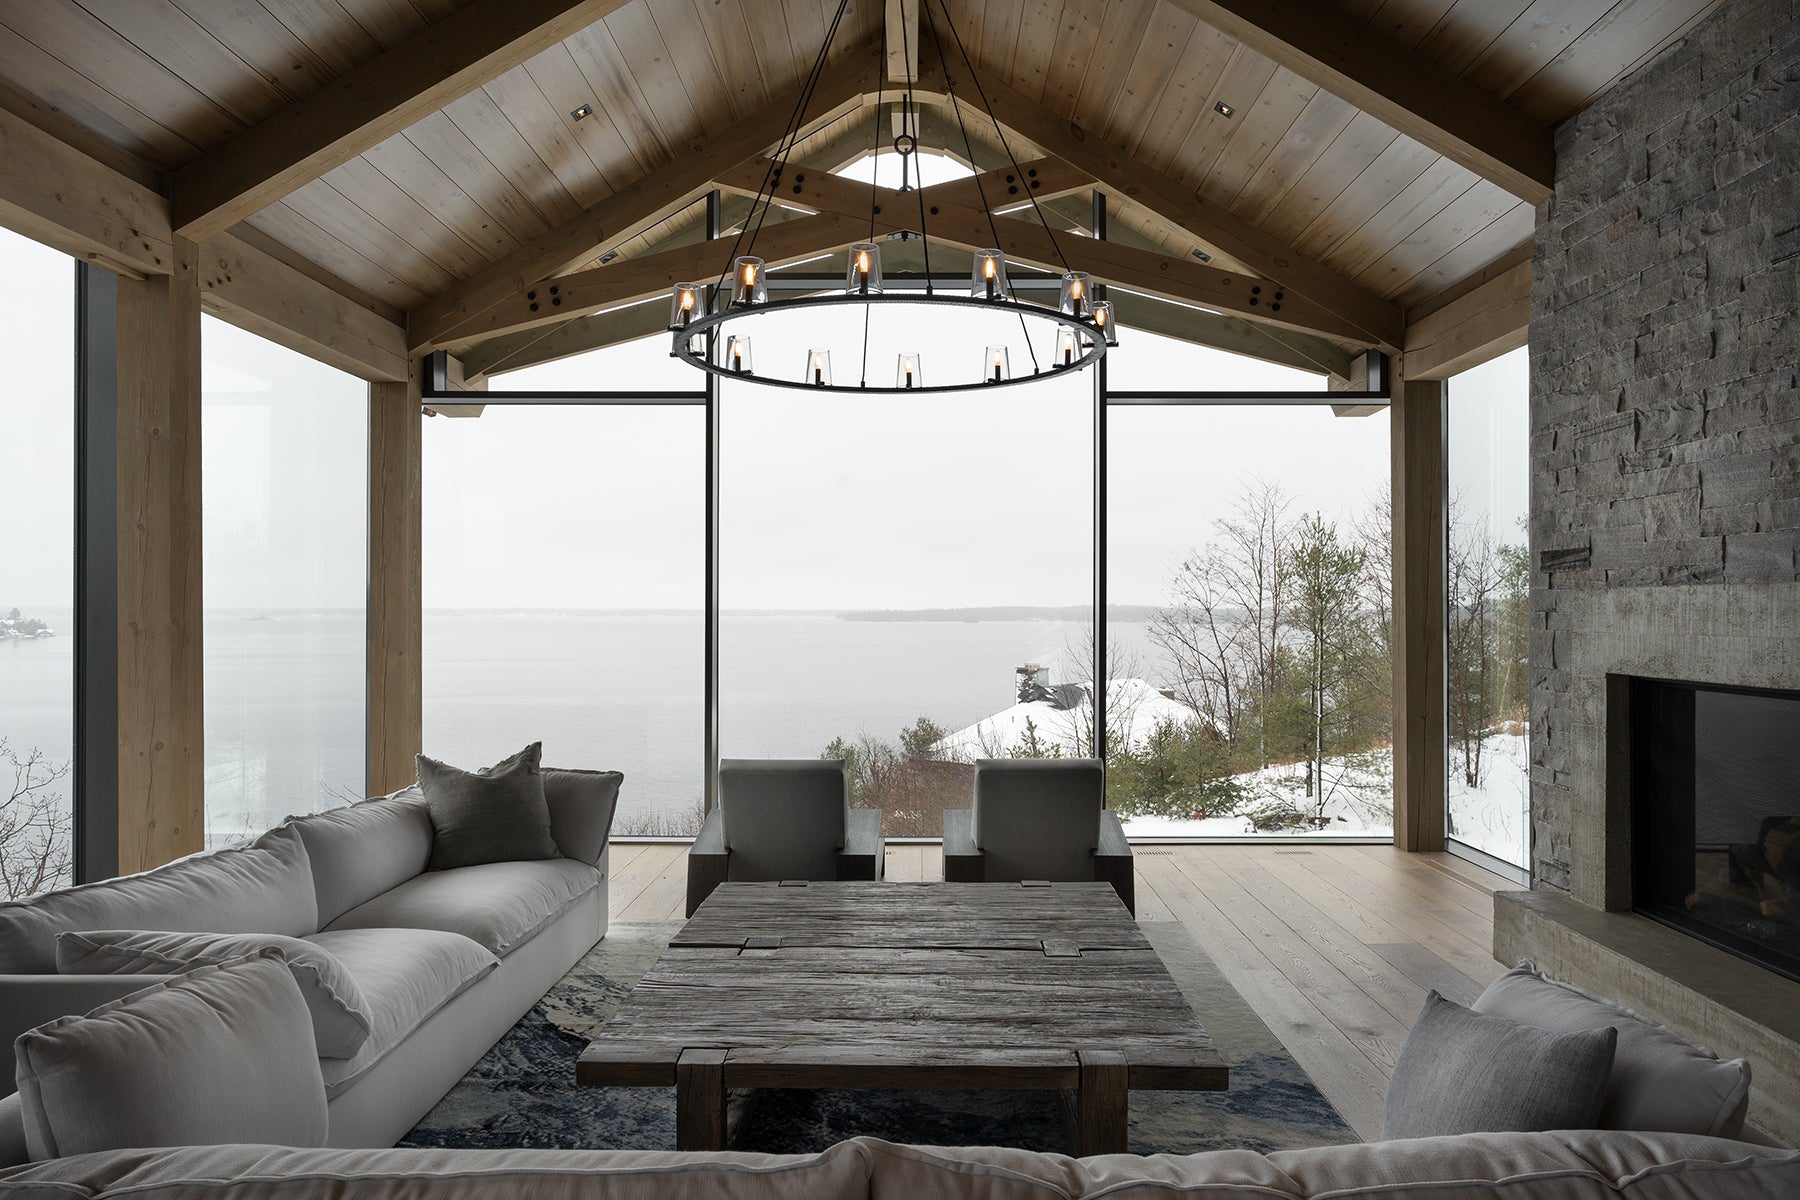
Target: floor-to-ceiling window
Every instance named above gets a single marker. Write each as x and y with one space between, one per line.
1248 597
285 489
564 583
37 569
905 581
1488 564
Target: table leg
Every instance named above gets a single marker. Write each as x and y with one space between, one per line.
1103 1103
700 1100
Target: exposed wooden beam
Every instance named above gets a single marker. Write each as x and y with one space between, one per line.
255 291
55 194
458 378
1252 339
633 208
394 708
162 775
369 104
901 24
633 279
1408 90
1378 321
1177 279
1480 324
596 331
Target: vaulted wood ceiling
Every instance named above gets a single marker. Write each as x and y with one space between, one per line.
158 84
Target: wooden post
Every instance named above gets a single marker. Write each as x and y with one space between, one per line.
1103 1103
700 1100
162 775
395 616
1417 417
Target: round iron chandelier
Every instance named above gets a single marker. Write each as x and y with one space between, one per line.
711 323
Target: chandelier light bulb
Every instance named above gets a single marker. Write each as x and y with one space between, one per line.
997 366
1065 347
863 277
737 355
907 373
749 283
1075 298
818 368
1106 322
684 305
987 278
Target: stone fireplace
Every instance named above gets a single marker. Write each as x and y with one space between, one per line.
1665 396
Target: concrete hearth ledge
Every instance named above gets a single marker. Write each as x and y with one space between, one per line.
1730 1005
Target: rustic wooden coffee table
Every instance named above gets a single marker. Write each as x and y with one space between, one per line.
999 986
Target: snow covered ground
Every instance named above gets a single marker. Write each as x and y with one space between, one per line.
1495 817
1134 708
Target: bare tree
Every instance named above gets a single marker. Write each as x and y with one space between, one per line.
1256 535
37 826
1121 706
1471 650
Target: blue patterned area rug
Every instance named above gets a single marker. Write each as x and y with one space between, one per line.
523 1093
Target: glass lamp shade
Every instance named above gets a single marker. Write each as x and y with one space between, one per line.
684 304
1066 348
818 368
691 344
996 365
1107 322
737 355
907 373
863 275
987 278
749 282
1077 296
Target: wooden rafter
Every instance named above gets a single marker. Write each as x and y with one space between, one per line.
1416 95
1476 324
964 225
1377 320
901 24
360 109
634 208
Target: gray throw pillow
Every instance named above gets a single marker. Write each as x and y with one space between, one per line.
497 814
582 804
1661 1081
340 1015
1465 1072
217 1056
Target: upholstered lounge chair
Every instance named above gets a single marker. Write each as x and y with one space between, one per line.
1039 818
783 819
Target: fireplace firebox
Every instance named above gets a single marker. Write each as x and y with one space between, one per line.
1715 829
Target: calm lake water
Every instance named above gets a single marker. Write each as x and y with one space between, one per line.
284 694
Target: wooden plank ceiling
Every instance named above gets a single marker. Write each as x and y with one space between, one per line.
163 81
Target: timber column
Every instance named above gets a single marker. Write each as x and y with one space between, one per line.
162 762
1420 516
396 633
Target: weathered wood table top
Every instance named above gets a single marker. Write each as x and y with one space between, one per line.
907 985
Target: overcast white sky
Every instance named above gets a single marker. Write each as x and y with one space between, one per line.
829 502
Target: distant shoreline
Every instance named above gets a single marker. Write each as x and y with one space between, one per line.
980 613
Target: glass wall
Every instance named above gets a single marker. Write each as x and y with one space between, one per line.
37 570
906 581
284 464
564 558
1248 588
1488 567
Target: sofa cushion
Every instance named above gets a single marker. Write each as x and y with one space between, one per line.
405 975
221 1054
1466 1072
1660 1080
495 814
582 804
340 1016
500 905
361 851
265 887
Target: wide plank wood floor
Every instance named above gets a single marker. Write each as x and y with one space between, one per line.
1335 946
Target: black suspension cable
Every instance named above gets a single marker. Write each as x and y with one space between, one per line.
912 117
874 192
969 149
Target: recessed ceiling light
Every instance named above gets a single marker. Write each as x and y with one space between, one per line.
585 111
1203 256
609 256
1224 109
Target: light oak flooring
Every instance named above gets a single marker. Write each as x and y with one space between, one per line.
1335 946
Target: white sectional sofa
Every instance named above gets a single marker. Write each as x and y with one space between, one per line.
1583 1165
447 961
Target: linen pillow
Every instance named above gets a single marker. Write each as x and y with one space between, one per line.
340 1015
1661 1081
219 1055
496 814
1467 1072
582 804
